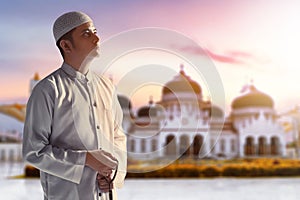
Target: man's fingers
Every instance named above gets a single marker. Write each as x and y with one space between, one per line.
110 155
104 173
105 158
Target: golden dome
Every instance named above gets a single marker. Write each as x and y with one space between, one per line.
252 98
182 83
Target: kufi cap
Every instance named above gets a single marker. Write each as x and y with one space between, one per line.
67 22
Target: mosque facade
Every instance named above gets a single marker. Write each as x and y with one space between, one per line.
182 124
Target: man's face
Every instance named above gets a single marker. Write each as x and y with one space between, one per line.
86 41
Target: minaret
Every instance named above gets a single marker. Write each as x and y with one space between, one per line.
34 81
182 69
151 103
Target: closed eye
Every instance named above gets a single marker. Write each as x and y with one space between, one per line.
88 33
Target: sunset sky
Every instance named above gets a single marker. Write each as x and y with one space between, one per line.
256 40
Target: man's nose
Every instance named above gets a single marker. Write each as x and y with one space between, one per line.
96 39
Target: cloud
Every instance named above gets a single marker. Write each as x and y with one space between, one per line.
231 57
224 58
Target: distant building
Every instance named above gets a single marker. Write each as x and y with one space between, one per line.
183 124
291 123
34 81
11 128
10 138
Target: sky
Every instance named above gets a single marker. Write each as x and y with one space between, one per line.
247 41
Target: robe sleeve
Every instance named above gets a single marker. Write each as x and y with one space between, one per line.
120 149
37 149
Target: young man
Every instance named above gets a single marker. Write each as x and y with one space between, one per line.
72 130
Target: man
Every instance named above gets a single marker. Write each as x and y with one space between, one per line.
72 130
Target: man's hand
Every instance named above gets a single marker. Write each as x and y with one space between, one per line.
101 161
104 183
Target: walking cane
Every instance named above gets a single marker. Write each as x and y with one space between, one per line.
109 182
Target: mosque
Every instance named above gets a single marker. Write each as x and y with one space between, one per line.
181 124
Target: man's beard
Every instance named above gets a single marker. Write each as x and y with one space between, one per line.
95 53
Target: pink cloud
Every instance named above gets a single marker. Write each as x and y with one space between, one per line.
224 58
232 57
240 54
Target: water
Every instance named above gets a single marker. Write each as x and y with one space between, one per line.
167 189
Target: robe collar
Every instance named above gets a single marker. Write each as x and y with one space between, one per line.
76 74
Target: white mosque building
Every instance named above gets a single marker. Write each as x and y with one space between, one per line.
183 124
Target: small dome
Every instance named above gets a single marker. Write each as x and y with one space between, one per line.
147 111
124 102
215 112
182 83
252 98
151 110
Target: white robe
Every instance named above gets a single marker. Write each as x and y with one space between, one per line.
67 114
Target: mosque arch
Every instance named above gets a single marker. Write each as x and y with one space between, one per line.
262 146
153 145
212 146
143 145
3 157
232 145
275 146
249 149
184 145
170 145
198 145
223 145
132 145
11 155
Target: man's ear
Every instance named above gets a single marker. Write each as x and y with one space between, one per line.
66 45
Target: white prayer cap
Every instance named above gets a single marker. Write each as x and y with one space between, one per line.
67 22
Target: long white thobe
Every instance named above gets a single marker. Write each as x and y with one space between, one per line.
67 114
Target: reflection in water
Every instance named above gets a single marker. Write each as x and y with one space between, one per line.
8 169
161 189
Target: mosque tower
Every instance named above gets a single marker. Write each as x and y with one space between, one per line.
185 128
251 104
254 117
34 81
183 101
